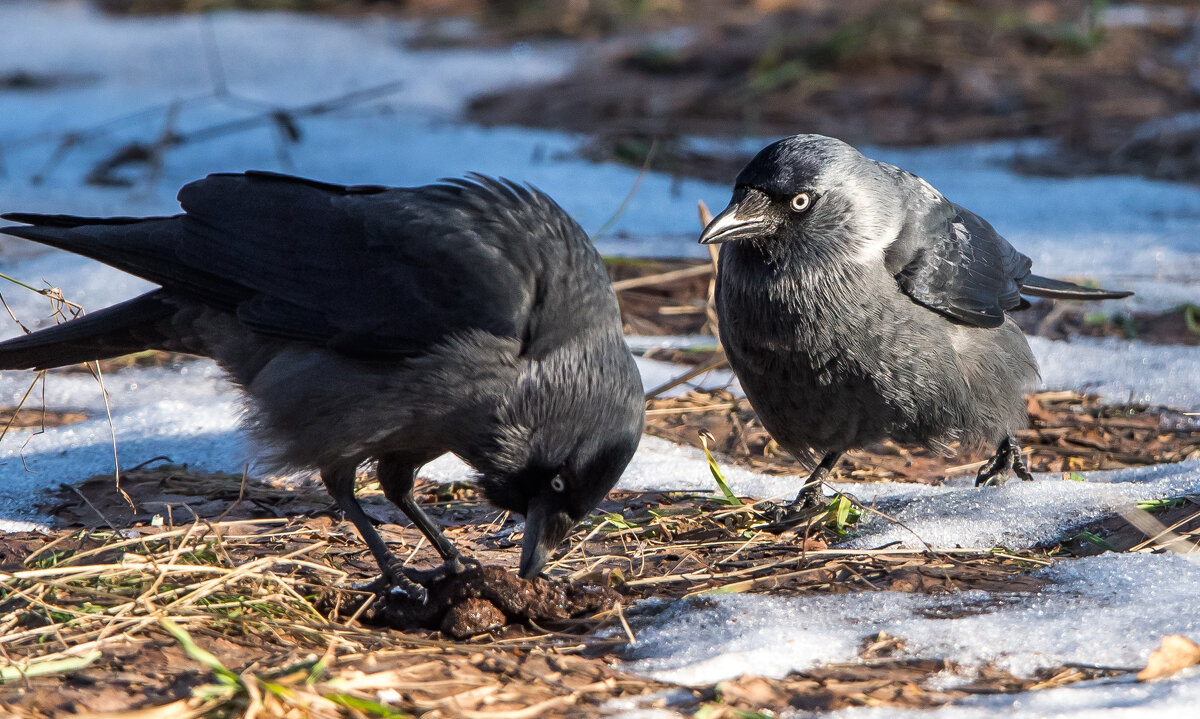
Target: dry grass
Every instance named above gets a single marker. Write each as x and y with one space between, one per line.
238 613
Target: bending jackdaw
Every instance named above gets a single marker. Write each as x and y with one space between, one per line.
472 317
856 303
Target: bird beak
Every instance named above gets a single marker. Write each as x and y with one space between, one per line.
544 529
729 225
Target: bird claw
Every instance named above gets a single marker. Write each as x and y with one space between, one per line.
1008 459
450 568
400 583
782 518
398 580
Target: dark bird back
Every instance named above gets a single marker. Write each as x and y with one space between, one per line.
398 324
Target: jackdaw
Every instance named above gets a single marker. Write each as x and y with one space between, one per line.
856 303
396 324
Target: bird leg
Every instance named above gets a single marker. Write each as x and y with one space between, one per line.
810 497
397 478
1006 459
340 483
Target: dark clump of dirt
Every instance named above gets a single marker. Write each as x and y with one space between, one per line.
487 598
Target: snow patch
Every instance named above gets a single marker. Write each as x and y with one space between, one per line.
1017 514
1122 371
1110 610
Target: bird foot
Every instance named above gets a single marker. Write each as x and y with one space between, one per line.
394 582
398 579
450 568
805 507
1007 460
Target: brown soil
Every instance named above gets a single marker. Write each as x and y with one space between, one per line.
25 418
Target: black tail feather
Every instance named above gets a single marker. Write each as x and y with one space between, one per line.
1057 289
111 332
31 218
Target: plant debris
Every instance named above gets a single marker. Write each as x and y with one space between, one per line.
204 601
1175 654
1068 432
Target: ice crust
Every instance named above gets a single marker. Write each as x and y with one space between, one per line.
189 414
1122 371
1110 610
1017 514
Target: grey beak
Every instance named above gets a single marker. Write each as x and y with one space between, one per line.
728 226
536 547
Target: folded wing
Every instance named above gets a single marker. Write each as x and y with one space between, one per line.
368 271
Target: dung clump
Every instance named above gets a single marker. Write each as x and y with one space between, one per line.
486 598
472 616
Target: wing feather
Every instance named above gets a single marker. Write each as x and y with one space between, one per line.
369 271
955 263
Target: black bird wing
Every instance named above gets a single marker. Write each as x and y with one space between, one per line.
122 329
954 262
369 271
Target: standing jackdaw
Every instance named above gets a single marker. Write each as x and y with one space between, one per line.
399 324
856 303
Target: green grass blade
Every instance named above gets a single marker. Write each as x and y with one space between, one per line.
730 498
200 654
53 666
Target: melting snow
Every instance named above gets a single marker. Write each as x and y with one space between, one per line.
1110 610
1122 371
1017 514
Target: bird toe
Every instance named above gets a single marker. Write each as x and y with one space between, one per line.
785 517
399 580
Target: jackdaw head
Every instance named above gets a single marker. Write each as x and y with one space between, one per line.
558 447
810 193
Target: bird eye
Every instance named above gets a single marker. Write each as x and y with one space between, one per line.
801 202
557 484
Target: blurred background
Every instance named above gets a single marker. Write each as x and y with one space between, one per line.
1072 125
1112 81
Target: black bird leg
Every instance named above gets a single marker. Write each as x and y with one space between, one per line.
340 483
810 496
397 477
1006 459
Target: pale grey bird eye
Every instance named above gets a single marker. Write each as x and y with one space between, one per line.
557 484
801 202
